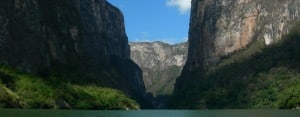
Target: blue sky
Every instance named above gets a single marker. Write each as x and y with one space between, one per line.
155 20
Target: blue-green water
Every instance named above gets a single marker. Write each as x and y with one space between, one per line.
149 113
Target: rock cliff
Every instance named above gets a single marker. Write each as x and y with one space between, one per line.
84 38
161 64
220 27
240 53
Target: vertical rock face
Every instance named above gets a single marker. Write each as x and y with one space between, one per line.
36 33
220 27
161 64
86 35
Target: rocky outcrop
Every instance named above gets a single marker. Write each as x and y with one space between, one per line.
220 27
161 64
79 36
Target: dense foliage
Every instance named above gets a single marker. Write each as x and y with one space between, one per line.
258 76
163 80
20 90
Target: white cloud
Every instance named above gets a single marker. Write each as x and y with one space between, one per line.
184 6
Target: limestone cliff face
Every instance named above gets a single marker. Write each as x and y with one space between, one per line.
161 64
220 27
86 36
240 32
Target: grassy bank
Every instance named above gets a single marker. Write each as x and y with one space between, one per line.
21 90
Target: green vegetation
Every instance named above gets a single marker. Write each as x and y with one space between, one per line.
168 86
278 88
163 81
20 90
258 76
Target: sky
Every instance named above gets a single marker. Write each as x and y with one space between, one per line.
155 20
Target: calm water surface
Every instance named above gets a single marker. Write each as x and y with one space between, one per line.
149 113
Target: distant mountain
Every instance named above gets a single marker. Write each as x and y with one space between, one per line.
161 64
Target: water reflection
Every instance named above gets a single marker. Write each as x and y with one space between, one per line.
150 113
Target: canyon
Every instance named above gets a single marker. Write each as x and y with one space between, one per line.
75 54
161 64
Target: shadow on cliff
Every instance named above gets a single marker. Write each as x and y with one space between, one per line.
161 101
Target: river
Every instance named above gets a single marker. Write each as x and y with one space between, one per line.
149 113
